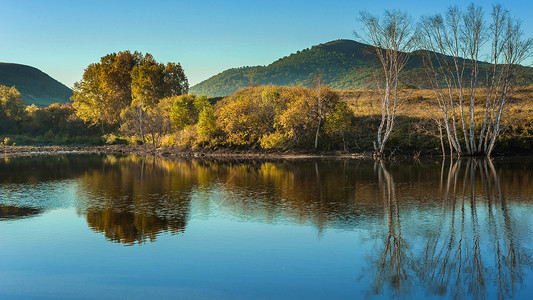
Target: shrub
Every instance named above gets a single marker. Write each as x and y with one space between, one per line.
8 142
274 140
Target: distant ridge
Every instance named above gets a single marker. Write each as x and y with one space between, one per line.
34 85
343 64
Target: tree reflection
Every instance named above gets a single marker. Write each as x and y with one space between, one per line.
450 229
133 199
391 267
472 247
468 248
11 212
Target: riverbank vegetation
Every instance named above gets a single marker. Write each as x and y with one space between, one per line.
274 118
471 108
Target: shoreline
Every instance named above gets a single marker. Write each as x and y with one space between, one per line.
29 151
122 150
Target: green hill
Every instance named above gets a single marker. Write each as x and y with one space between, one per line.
343 64
34 85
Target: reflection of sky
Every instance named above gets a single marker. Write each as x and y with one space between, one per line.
229 249
47 195
215 257
234 259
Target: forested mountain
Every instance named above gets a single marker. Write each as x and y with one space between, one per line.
34 85
343 64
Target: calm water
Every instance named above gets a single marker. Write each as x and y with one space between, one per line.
93 227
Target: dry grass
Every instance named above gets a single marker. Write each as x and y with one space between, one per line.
419 110
423 104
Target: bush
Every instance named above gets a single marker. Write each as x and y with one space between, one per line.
274 140
111 139
169 140
8 142
187 138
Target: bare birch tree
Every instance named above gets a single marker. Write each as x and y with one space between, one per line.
454 45
392 39
317 85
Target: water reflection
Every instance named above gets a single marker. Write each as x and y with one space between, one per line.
133 199
390 265
453 228
474 246
11 212
39 169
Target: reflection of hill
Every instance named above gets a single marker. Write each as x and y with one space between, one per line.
42 182
10 212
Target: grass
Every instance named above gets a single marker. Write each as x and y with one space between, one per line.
416 127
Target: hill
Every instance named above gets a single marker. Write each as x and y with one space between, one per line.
34 85
343 64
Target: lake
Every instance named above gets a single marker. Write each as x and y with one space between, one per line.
101 226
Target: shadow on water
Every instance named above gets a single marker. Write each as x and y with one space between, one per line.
475 245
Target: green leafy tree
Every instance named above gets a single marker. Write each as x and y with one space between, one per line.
339 121
185 110
182 111
207 125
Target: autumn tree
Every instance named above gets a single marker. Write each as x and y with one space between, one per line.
175 80
338 122
306 110
158 122
11 105
149 124
206 127
105 89
245 117
121 80
147 88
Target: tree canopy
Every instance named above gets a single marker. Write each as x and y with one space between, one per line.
123 79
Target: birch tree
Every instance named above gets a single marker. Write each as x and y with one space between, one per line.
454 45
319 105
392 39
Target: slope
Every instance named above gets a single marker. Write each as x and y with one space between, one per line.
343 64
34 85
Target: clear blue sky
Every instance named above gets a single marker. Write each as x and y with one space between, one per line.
63 37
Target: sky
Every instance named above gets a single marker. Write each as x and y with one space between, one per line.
61 38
